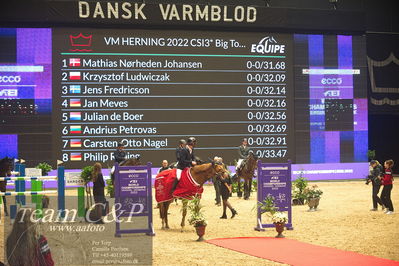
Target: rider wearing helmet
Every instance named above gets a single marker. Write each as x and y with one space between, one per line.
120 154
243 152
186 156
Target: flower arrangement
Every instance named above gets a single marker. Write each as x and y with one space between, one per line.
313 192
197 217
280 217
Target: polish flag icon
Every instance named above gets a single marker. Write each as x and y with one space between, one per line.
74 75
74 62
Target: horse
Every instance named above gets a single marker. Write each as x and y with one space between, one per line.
6 165
200 174
128 162
246 171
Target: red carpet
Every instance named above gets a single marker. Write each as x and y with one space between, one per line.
293 252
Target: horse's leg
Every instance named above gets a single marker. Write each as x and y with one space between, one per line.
245 188
5 206
249 187
239 192
167 204
162 213
184 212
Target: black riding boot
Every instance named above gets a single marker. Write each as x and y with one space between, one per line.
233 213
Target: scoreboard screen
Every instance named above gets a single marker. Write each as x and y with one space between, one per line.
149 89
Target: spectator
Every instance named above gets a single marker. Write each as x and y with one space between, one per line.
165 166
24 246
98 192
374 178
387 181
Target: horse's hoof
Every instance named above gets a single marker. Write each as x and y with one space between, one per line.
163 228
167 227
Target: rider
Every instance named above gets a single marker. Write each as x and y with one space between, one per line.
120 154
182 145
185 158
243 152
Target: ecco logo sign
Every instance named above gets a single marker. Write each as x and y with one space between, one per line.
10 79
268 45
331 81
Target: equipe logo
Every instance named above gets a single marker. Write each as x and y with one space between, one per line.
331 81
10 79
8 93
268 45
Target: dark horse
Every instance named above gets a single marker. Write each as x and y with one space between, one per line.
128 162
200 173
6 165
247 171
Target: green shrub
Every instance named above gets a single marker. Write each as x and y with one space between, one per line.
110 188
86 174
45 167
298 190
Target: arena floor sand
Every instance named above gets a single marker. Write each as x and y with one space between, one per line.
343 221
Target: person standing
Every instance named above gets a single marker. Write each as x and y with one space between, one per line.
387 182
120 154
98 192
165 166
225 191
216 185
374 178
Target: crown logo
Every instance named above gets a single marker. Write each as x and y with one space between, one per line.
80 42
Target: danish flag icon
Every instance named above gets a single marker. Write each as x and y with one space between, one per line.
74 62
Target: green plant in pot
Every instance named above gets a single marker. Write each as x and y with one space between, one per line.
298 187
278 218
313 194
45 167
197 218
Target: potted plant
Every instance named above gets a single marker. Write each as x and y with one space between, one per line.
45 167
279 219
313 195
298 187
197 218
